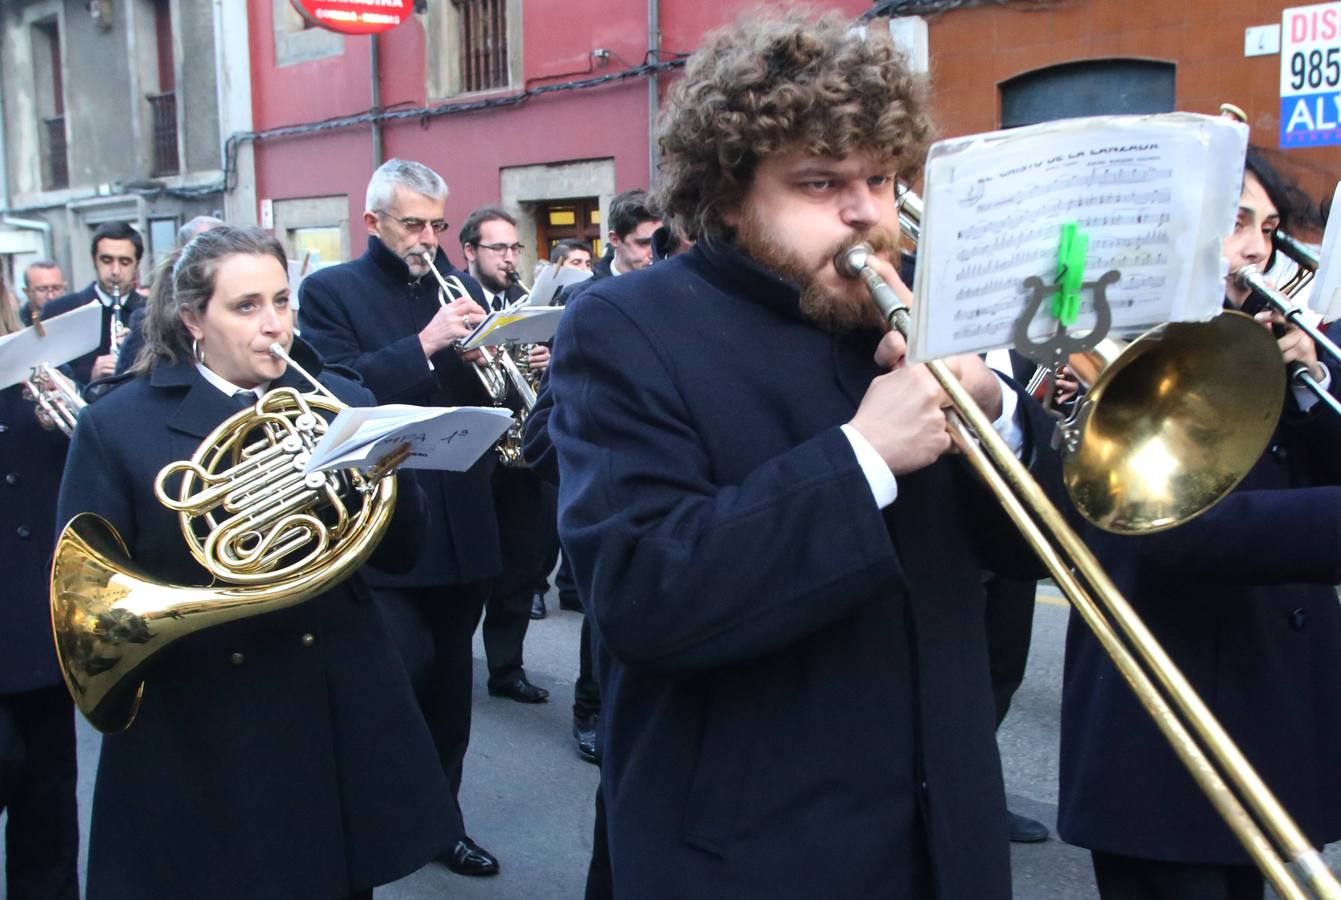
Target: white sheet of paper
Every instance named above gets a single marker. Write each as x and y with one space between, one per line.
440 438
551 280
523 323
68 336
1326 296
1155 194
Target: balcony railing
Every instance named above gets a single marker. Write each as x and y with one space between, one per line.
57 168
164 109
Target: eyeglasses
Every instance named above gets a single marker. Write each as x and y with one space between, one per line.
47 289
502 248
414 226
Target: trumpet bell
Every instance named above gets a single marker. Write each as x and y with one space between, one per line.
1174 423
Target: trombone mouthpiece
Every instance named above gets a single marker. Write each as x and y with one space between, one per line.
851 261
1244 276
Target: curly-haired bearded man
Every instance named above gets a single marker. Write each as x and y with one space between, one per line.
782 559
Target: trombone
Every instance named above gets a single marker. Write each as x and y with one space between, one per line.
1294 867
1281 300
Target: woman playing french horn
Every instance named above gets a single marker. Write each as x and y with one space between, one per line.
275 756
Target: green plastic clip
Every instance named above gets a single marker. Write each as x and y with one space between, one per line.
1070 274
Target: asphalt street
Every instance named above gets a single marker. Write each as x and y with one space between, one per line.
527 795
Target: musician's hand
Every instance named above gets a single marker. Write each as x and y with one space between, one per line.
539 357
1295 345
891 351
1067 386
982 384
473 357
103 366
450 324
902 415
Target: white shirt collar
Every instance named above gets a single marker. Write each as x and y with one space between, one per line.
105 298
614 269
226 386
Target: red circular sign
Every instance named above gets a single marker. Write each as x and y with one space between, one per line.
355 16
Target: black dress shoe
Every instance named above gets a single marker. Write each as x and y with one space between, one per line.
538 610
584 731
466 857
1024 830
521 690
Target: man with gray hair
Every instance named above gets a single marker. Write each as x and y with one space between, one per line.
380 314
195 226
42 281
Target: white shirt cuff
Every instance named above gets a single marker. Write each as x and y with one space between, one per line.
1006 424
884 486
1305 397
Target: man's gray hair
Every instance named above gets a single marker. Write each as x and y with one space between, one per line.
416 178
39 264
195 226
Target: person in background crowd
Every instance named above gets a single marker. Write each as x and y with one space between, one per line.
117 249
37 736
524 508
572 253
42 281
380 315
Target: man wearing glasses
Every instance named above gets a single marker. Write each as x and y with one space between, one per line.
380 314
42 281
525 509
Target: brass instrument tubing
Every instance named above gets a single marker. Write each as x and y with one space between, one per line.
1250 278
1032 512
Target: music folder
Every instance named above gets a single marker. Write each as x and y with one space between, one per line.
518 323
441 438
66 337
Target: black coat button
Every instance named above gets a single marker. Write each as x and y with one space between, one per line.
12 478
24 532
1299 619
237 659
3 427
1279 452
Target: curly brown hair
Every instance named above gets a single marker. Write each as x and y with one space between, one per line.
769 84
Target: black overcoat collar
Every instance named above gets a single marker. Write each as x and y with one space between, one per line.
203 406
852 352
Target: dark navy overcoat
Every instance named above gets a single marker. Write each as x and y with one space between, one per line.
31 460
367 314
1243 599
280 756
797 700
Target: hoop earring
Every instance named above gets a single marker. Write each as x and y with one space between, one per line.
197 352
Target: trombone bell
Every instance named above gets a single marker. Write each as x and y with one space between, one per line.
1172 423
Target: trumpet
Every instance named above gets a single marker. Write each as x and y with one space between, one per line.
1153 368
496 372
58 400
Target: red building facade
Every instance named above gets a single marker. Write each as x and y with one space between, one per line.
458 73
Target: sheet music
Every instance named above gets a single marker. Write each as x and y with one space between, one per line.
440 438
1326 296
551 280
1155 195
68 336
517 323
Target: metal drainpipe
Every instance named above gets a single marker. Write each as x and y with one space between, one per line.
375 60
653 101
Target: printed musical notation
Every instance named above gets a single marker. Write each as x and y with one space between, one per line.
995 204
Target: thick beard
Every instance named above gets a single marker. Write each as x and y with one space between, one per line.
833 312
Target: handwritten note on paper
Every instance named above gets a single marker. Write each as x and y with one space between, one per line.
1155 195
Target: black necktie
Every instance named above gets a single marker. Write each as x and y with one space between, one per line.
498 302
244 399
